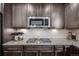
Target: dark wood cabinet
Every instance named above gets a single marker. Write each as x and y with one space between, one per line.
13 50
54 11
19 15
57 15
43 10
46 53
41 50
30 51
71 16
12 53
32 10
38 10
21 12
59 50
38 51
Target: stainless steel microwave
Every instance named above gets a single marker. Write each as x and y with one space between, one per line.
38 22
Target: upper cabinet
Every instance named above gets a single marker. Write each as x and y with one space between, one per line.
72 15
54 11
61 15
38 10
31 10
7 15
57 15
77 14
19 13
45 10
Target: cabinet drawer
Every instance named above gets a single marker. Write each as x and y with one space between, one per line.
37 47
46 54
12 53
13 48
30 53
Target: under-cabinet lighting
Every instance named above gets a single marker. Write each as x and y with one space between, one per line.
22 30
54 30
9 30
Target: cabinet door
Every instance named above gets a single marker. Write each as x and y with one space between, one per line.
32 10
45 10
77 16
38 10
57 15
30 51
71 20
19 15
38 51
59 50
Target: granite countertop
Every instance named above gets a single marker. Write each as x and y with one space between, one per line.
54 42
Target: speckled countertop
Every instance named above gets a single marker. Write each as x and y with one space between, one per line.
54 42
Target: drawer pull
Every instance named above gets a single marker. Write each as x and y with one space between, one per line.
12 48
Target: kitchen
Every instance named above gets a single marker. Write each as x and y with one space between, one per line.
39 29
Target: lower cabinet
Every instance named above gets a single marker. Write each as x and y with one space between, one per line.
57 50
13 50
38 51
74 51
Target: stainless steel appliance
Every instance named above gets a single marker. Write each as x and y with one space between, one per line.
38 22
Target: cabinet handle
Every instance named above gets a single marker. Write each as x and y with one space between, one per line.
12 48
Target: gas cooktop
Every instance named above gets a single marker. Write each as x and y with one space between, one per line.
38 40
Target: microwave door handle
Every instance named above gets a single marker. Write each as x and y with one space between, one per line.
43 22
